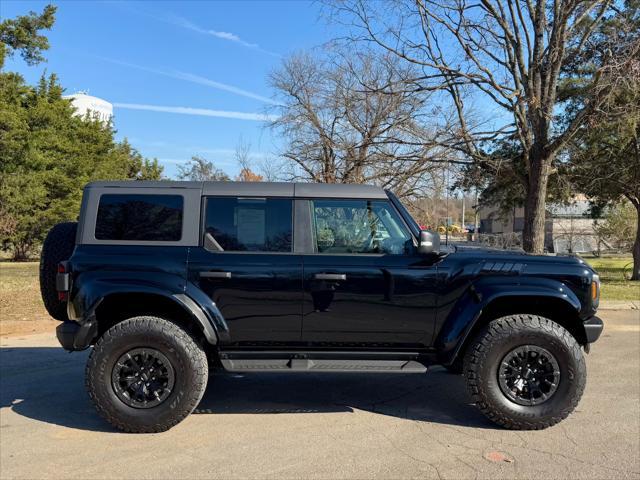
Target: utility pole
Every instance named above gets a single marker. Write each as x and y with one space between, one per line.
475 217
462 223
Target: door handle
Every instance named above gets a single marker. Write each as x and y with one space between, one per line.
215 274
330 276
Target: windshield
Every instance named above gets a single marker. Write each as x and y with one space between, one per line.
413 225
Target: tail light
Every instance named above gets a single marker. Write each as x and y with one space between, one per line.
63 281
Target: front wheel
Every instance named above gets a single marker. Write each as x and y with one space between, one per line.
525 372
146 374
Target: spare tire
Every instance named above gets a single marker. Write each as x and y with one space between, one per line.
57 247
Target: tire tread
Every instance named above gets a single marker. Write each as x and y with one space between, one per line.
501 329
141 325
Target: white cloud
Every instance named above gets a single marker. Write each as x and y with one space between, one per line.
190 77
195 149
259 117
173 161
232 37
193 78
187 24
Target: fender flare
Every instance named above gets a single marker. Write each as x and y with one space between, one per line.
479 296
90 293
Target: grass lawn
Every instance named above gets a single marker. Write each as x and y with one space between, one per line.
614 285
21 309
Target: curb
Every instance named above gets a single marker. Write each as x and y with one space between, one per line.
619 305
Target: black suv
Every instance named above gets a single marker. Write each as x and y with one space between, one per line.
169 280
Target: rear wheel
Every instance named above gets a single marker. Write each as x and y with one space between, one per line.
525 372
146 374
57 247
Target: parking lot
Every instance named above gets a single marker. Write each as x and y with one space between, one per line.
318 426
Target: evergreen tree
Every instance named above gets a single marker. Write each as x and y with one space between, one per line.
48 154
21 34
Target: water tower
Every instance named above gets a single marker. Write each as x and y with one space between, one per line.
84 104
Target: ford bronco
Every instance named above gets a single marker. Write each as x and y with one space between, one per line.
167 281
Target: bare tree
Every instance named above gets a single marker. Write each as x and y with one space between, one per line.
354 120
504 55
243 158
273 169
242 153
199 169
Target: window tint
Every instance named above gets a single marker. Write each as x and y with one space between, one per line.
139 217
359 226
248 225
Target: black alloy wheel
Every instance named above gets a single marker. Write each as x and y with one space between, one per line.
143 378
529 375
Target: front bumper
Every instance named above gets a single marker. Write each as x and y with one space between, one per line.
73 336
593 328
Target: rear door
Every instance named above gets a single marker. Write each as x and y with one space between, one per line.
246 265
364 284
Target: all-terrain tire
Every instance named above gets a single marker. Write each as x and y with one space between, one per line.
186 356
494 342
57 247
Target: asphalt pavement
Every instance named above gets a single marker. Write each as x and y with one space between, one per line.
350 426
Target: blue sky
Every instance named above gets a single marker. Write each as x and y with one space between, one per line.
151 59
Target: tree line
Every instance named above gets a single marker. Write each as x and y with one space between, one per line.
524 101
528 100
47 154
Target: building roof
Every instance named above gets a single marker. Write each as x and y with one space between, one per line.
258 189
579 208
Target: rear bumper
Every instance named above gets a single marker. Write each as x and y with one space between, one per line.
593 328
73 336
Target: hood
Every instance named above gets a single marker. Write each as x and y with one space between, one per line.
515 254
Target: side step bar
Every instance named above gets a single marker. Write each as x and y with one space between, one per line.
321 365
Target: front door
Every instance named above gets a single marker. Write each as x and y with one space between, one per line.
246 266
365 285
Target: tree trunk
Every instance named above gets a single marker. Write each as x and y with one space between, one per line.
20 253
636 249
535 207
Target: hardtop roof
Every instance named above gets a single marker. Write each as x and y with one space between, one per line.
256 189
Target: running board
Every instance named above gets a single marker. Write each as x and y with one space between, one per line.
321 365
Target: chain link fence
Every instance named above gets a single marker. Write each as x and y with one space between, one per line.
504 241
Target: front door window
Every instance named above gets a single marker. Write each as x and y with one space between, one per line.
358 226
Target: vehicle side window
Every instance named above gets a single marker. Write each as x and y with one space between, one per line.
358 226
139 217
248 224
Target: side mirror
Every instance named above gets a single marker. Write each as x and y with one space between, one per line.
429 242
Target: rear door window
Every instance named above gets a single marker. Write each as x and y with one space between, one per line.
153 218
248 224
